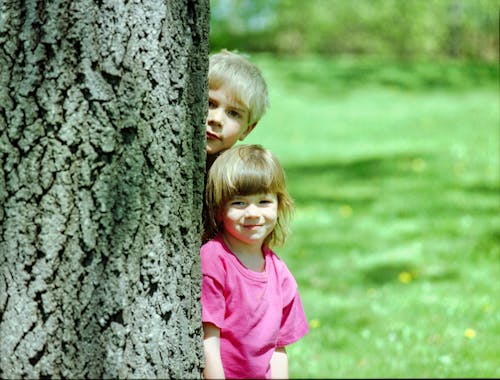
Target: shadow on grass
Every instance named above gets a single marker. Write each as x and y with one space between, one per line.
362 168
327 77
360 182
405 272
488 188
356 182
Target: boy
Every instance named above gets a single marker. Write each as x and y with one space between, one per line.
237 99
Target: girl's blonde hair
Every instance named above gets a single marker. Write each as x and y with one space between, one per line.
247 170
243 79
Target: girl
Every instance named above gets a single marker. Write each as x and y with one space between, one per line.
251 308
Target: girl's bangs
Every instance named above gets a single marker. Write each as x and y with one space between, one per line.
249 181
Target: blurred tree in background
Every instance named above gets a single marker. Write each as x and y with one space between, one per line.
407 29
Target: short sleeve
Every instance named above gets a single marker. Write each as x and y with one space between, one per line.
293 324
213 303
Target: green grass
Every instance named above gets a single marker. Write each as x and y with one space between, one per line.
394 169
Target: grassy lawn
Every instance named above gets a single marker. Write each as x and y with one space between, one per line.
395 172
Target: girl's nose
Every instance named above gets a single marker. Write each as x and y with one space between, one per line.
251 211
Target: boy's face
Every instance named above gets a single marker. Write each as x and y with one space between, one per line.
227 120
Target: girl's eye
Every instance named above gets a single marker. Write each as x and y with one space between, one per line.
237 203
211 104
270 198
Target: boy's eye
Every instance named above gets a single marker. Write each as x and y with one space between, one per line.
234 114
211 104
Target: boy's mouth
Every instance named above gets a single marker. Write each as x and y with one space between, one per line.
212 136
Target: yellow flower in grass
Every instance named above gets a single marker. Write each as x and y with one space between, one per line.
470 333
345 211
314 323
418 165
405 277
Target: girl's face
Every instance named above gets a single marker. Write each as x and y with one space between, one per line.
250 218
227 120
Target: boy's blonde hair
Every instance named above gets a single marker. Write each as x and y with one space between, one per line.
243 79
247 170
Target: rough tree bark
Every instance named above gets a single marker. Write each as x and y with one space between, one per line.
102 107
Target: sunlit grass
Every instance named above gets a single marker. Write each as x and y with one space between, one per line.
395 242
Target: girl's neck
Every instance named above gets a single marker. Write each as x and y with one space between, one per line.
250 255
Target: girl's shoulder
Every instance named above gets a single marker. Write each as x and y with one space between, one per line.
213 248
215 251
214 243
277 262
284 277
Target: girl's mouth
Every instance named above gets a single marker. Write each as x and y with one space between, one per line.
251 226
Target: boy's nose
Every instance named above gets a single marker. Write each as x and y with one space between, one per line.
215 118
214 123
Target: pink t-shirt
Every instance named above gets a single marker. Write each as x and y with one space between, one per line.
256 312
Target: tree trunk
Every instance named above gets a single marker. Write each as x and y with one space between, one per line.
102 108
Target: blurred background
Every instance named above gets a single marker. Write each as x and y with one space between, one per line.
385 115
403 29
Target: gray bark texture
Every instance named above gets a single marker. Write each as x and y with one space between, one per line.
102 159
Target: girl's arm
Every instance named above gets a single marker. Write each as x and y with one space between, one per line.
279 364
211 343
